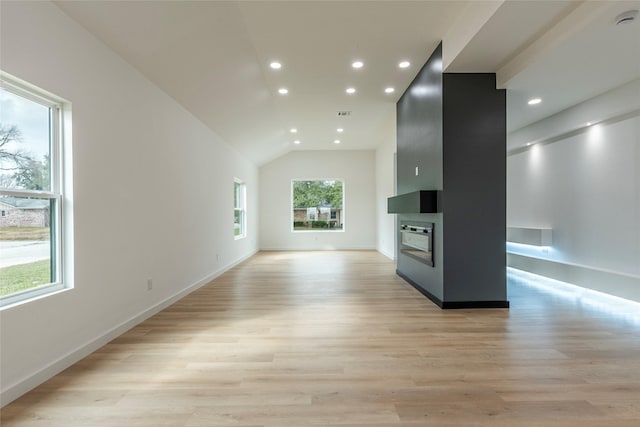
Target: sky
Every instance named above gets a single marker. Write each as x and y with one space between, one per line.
33 121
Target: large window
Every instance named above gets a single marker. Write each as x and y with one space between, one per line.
239 211
30 192
317 205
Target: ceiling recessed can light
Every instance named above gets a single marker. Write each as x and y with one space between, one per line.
626 17
534 101
293 130
357 64
404 64
283 91
351 90
589 123
337 141
296 142
340 130
389 90
275 65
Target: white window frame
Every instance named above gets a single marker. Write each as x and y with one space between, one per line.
242 207
58 107
342 213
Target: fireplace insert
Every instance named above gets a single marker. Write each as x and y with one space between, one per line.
416 241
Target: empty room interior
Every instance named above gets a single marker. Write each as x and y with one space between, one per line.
336 213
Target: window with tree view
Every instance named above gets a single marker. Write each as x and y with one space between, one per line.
30 193
318 205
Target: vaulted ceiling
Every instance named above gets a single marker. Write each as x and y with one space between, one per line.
214 58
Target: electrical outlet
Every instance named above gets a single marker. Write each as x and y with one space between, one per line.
217 257
149 284
417 172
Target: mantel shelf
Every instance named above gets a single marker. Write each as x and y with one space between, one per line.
423 201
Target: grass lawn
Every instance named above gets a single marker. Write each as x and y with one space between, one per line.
24 233
298 228
24 276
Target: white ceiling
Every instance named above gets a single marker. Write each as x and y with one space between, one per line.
213 57
580 63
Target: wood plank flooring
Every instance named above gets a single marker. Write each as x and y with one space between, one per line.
337 339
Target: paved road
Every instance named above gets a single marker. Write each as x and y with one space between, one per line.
13 252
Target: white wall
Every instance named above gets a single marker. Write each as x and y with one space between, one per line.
385 187
357 171
586 187
153 197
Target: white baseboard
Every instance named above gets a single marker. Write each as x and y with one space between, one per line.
23 386
387 254
312 248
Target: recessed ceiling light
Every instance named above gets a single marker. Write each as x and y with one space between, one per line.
339 130
588 123
275 65
337 141
534 101
389 90
357 64
296 142
293 130
283 91
351 90
404 64
626 17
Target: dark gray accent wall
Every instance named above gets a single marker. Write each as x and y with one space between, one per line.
419 139
453 128
474 193
419 129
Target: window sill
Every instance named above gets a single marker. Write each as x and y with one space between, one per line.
30 295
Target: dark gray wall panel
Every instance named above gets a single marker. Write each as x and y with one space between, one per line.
419 139
419 129
474 194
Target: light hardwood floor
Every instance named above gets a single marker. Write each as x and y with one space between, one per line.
337 339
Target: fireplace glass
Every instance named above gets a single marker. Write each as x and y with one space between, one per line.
416 241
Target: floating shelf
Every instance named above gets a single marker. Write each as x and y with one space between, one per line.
423 201
529 236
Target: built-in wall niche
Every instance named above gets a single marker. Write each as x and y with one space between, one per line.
529 236
416 241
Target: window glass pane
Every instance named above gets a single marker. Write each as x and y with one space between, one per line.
237 223
25 243
318 205
236 195
239 219
25 152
